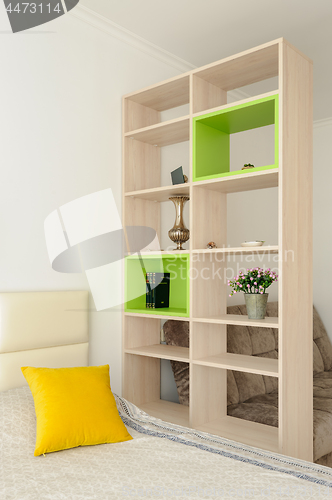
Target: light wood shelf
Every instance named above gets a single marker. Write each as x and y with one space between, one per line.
244 431
167 411
164 133
248 67
248 181
154 254
160 194
163 96
167 312
162 351
235 319
155 316
290 110
242 101
269 249
241 363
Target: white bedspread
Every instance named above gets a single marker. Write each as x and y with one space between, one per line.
162 461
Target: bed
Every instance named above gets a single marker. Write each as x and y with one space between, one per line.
163 460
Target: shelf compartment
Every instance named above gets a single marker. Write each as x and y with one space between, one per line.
248 181
271 249
162 351
236 319
163 134
176 264
169 412
211 136
165 95
242 363
160 194
243 69
226 106
243 431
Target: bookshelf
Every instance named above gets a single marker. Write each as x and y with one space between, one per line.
196 296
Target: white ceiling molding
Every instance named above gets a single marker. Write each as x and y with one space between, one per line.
102 23
325 122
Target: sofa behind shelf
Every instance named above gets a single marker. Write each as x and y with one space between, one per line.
255 397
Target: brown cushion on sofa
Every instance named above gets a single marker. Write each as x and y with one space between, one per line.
177 333
318 363
255 397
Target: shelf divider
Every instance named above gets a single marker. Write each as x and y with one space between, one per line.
249 181
167 411
242 320
161 193
161 351
239 250
244 431
164 133
241 363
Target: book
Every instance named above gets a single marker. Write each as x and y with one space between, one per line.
158 286
177 176
148 290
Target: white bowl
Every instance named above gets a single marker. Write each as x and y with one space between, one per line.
252 243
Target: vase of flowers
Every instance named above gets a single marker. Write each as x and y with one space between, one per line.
254 284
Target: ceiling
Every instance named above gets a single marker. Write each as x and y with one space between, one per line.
203 31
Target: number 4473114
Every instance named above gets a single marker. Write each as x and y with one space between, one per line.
33 8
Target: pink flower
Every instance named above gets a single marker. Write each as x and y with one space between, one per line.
255 282
240 286
251 278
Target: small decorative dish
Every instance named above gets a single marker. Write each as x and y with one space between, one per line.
255 243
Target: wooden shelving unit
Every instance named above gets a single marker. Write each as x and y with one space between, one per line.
194 296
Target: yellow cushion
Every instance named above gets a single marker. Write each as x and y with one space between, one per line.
74 407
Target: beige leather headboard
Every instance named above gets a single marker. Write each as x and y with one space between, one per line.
48 329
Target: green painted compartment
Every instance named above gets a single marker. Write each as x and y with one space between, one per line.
211 135
176 264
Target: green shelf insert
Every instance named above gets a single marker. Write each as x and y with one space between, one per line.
211 136
135 286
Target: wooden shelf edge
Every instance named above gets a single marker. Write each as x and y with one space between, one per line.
236 103
157 126
242 320
238 250
156 316
244 431
160 194
155 86
162 253
237 183
161 351
241 363
167 411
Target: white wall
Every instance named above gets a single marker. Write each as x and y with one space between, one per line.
323 221
60 129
